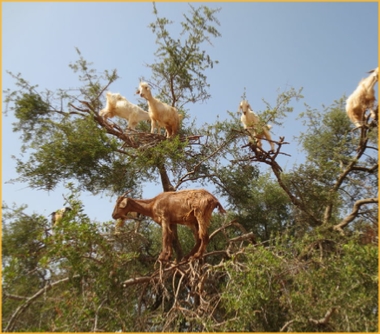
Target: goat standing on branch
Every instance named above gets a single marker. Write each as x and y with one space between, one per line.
161 113
192 208
251 122
362 99
118 105
57 216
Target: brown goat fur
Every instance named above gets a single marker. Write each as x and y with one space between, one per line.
192 208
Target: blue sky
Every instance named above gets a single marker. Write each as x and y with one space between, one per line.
326 48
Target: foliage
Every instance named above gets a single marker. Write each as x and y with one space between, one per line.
179 70
312 285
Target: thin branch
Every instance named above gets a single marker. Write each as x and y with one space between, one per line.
15 297
231 223
354 213
21 309
344 174
325 319
286 325
364 169
137 280
197 166
96 329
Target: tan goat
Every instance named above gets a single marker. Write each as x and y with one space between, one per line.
118 105
192 208
252 122
159 112
362 99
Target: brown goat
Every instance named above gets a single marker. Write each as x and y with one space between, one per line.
192 208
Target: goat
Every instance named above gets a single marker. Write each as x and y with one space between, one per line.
118 105
57 216
251 122
362 99
160 112
192 208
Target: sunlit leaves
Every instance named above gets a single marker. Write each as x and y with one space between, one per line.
280 290
179 70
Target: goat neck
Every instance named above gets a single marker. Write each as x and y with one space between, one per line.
142 206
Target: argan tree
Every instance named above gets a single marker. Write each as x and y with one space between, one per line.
296 251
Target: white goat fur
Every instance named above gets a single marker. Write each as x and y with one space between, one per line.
57 216
362 99
251 122
118 105
160 113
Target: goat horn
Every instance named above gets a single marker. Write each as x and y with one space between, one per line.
371 71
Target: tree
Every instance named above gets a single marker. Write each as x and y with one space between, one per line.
298 247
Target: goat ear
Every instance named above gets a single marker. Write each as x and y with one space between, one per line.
123 203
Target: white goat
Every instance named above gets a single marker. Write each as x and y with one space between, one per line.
118 105
166 116
251 122
57 216
362 98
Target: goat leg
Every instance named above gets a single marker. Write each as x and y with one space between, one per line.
166 242
176 244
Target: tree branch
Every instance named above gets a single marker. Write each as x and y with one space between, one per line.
354 213
12 322
15 297
344 174
325 319
197 166
286 325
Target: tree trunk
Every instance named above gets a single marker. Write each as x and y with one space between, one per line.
167 186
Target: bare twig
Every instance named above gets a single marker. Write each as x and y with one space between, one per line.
15 297
137 280
286 325
325 319
186 177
